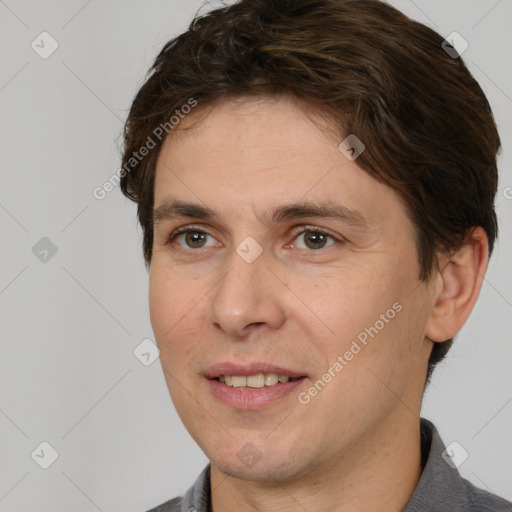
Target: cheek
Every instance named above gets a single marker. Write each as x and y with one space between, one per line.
370 316
161 297
168 303
391 354
349 304
177 316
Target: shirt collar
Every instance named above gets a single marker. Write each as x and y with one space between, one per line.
440 486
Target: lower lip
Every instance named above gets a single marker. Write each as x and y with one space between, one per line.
252 398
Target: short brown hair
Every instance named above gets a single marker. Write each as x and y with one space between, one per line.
427 126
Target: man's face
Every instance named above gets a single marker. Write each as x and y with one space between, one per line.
296 291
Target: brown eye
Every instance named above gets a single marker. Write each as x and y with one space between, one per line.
314 239
195 238
190 239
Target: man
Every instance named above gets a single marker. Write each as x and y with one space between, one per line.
315 180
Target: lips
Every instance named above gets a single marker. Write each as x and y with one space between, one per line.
232 369
229 386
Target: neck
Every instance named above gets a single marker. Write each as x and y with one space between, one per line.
380 473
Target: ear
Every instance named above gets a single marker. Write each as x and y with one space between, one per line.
458 284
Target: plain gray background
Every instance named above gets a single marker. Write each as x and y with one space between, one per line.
70 323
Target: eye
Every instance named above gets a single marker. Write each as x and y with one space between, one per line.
195 238
192 238
314 238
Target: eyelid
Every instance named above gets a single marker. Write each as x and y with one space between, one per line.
295 232
316 229
188 227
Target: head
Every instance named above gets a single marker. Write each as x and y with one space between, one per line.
244 115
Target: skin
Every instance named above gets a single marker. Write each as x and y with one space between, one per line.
299 305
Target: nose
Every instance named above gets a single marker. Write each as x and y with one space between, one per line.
248 297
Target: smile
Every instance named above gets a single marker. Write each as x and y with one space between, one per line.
258 380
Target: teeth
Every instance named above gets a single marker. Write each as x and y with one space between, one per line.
271 379
238 381
256 381
260 380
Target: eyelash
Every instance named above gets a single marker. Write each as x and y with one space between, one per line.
194 229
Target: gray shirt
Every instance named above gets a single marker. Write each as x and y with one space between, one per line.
440 488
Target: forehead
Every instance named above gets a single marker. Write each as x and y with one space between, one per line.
270 122
265 152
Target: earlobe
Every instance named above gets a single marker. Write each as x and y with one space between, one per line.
458 285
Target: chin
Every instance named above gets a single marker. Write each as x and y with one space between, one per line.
261 473
256 466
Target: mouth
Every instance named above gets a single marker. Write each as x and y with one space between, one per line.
254 385
255 374
256 381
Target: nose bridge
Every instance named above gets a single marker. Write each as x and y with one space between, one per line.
246 295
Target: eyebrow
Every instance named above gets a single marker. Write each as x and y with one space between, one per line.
174 209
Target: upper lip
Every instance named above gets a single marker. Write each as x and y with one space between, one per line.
227 368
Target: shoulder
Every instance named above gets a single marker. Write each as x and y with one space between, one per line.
196 499
173 505
441 487
484 501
